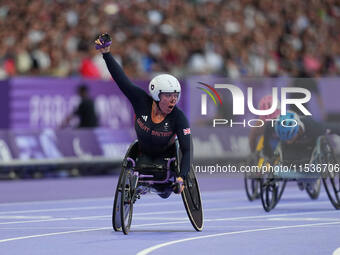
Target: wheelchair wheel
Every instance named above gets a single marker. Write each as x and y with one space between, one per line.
271 188
116 223
331 179
332 187
281 188
251 182
192 201
252 186
271 192
314 190
126 201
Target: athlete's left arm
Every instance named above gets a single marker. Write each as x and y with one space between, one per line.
332 128
315 128
185 142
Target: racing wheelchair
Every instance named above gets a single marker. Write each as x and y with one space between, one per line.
252 181
136 180
322 158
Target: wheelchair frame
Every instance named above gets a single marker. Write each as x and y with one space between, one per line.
252 184
132 184
322 153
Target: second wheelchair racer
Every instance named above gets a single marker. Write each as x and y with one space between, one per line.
298 135
256 132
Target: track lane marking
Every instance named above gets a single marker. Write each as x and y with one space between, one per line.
161 223
148 197
158 246
306 203
104 207
180 211
336 252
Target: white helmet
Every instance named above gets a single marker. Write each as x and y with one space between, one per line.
164 83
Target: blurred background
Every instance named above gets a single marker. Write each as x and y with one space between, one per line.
233 38
47 55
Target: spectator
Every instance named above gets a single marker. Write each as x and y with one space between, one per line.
230 37
85 111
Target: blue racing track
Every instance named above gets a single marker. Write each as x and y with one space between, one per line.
73 216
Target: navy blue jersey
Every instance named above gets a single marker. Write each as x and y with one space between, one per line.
154 138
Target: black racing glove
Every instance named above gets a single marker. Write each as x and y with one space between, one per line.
103 41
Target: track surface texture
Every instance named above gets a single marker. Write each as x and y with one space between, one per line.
73 216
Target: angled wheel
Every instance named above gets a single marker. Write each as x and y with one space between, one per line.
313 190
332 187
192 201
251 182
252 187
116 223
272 188
269 193
116 213
281 189
126 201
331 179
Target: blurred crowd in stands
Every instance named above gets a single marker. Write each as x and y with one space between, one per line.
232 38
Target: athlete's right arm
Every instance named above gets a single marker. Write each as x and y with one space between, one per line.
131 91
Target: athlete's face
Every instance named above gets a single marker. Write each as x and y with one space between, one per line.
168 101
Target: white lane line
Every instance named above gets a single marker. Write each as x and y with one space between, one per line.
179 202
86 230
133 230
306 203
181 211
159 218
43 228
52 234
57 209
32 221
156 247
18 217
242 218
303 219
159 224
56 201
229 194
336 252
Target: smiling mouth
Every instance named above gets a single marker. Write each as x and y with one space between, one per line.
171 107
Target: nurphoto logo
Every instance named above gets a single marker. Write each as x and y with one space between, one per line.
239 103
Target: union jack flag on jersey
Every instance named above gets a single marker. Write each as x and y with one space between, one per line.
186 131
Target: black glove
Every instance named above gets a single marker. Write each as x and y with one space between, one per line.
103 41
178 186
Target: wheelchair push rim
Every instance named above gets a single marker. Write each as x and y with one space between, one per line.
268 194
331 179
192 201
251 181
116 223
252 187
126 201
271 192
314 191
332 187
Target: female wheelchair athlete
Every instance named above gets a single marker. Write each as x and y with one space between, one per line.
252 181
256 142
322 156
137 179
